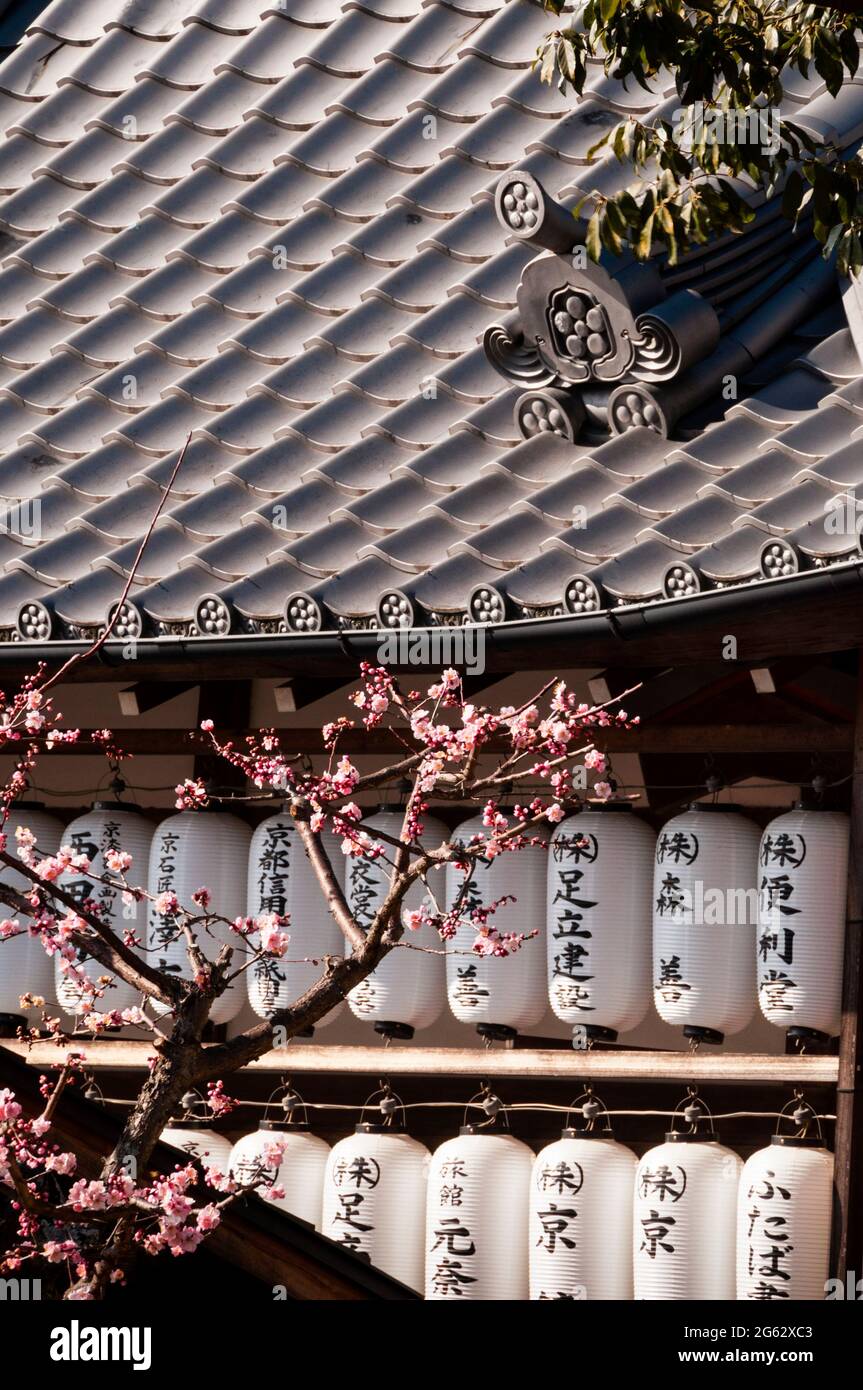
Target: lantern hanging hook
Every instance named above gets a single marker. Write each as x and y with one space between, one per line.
484 1099
93 1091
592 1109
190 1101
802 1116
388 1104
693 1110
289 1101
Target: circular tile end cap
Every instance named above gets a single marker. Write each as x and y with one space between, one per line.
680 580
395 610
212 616
581 596
303 613
35 622
486 605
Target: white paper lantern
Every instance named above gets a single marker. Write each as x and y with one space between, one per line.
104 827
477 1226
600 876
499 996
581 1195
803 871
25 968
705 906
686 1218
783 1222
198 1141
197 849
407 990
300 1172
282 880
374 1199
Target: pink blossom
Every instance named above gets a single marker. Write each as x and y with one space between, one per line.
603 790
166 904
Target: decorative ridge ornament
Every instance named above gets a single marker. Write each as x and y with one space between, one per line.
653 340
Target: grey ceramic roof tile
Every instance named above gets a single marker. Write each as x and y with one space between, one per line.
335 423
165 293
420 283
19 156
452 328
249 425
842 469
164 158
231 16
268 51
835 357
98 476
277 335
80 21
351 45
416 546
204 460
248 291
111 337
305 381
158 427
465 92
359 194
411 145
135 115
80 297
113 205
301 99
823 432
27 340
38 64
51 385
191 338
137 383
498 139
112 64
195 200
381 96
270 471
365 331
218 383
35 207
362 466
279 196
136 251
432 41
388 240
390 380
19 286
219 106
305 508
221 247
724 445
536 97
537 461
786 400
58 119
335 287
328 149
472 236
190 58
73 432
447 464
445 188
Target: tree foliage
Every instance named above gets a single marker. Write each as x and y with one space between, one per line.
696 175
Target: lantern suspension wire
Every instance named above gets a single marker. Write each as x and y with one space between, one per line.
536 1107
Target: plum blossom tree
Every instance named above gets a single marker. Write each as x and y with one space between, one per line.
453 751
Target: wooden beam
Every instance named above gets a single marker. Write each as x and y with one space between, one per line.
143 696
676 1068
655 738
301 691
848 1241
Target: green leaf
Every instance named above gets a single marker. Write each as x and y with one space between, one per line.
593 239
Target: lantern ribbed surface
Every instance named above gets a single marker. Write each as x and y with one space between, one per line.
598 940
477 1227
374 1200
211 1149
282 880
783 1224
509 991
685 1221
300 1173
409 986
192 850
25 968
100 829
705 906
803 871
580 1241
